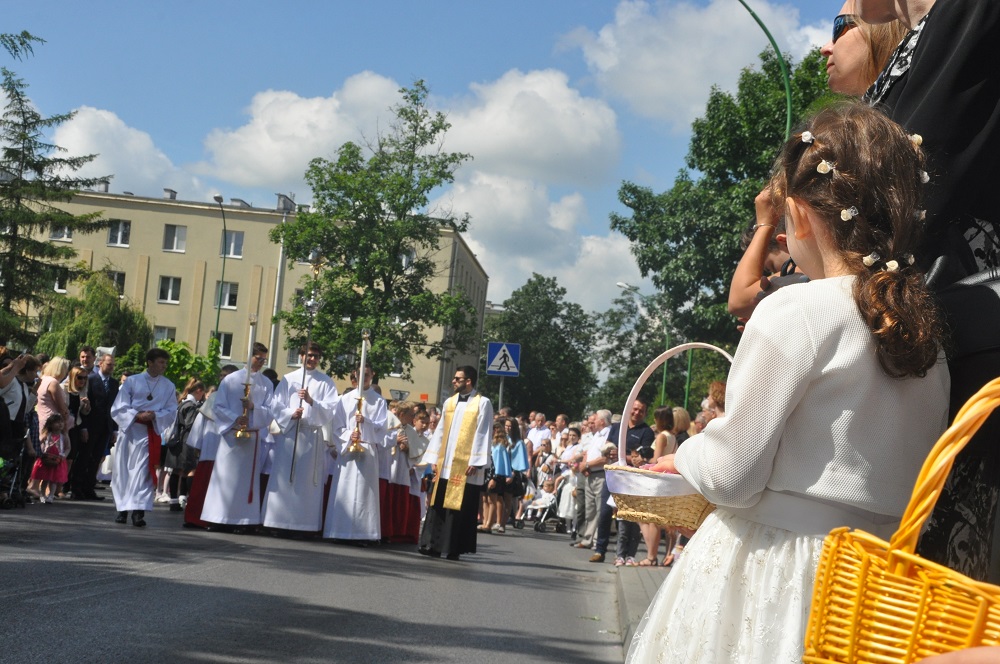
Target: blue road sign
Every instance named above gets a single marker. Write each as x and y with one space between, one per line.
503 359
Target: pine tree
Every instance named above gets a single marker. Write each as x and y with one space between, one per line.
34 176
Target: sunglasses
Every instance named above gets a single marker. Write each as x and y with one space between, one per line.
842 24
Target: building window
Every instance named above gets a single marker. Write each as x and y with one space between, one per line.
226 345
119 232
293 357
118 279
232 244
161 333
174 237
170 289
229 291
62 280
64 233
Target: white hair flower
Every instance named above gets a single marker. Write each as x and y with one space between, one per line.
824 167
807 137
924 177
870 259
849 213
891 266
917 139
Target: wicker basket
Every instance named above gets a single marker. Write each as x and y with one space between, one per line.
877 601
650 497
685 509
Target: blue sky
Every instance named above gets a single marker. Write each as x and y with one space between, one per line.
559 101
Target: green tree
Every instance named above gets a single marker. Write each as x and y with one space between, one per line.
100 317
556 339
184 363
35 176
687 238
371 223
19 45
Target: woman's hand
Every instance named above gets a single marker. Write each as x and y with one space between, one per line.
665 464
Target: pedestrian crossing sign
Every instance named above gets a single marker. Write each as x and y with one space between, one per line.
503 359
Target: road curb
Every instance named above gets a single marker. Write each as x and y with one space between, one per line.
636 587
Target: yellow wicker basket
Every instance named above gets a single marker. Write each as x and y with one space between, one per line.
650 497
879 602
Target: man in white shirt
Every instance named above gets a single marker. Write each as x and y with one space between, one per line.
593 472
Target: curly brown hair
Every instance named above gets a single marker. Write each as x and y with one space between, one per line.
870 198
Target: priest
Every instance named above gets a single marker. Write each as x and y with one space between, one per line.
459 451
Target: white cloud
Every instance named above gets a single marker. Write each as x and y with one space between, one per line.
124 152
517 230
662 58
285 131
534 125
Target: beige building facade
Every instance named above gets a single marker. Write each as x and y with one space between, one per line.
172 259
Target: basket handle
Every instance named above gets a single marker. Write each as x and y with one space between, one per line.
938 465
653 366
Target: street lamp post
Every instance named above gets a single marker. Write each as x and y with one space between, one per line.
634 290
222 279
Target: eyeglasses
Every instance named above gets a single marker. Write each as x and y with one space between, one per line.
842 24
459 379
314 356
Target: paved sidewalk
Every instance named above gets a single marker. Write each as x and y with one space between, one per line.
636 588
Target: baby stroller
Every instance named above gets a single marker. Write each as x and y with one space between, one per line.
546 510
11 457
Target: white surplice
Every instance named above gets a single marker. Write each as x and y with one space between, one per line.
298 505
353 509
233 496
131 482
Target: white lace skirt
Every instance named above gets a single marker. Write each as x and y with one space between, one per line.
739 593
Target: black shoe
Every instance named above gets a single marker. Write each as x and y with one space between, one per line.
137 518
429 552
93 496
452 556
121 517
176 507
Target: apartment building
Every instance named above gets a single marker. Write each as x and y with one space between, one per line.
176 260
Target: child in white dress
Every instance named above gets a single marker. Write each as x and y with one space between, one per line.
836 395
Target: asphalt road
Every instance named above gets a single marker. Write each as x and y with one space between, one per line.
76 587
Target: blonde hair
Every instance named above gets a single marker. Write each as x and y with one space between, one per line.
71 386
57 367
682 420
882 39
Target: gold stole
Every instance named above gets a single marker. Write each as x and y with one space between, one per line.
455 490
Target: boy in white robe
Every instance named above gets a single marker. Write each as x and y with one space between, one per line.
144 410
353 510
302 409
233 497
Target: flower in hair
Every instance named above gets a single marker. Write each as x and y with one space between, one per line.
891 266
807 137
824 167
910 260
921 215
917 139
924 177
870 259
849 213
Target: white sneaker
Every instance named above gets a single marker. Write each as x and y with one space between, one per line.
183 501
161 498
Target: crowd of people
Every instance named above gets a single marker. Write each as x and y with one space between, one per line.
293 457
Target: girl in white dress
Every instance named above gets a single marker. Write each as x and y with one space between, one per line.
836 395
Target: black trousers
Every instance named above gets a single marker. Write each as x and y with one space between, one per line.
451 531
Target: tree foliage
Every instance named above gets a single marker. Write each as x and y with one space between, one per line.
35 175
556 338
687 238
184 363
98 318
371 223
19 45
